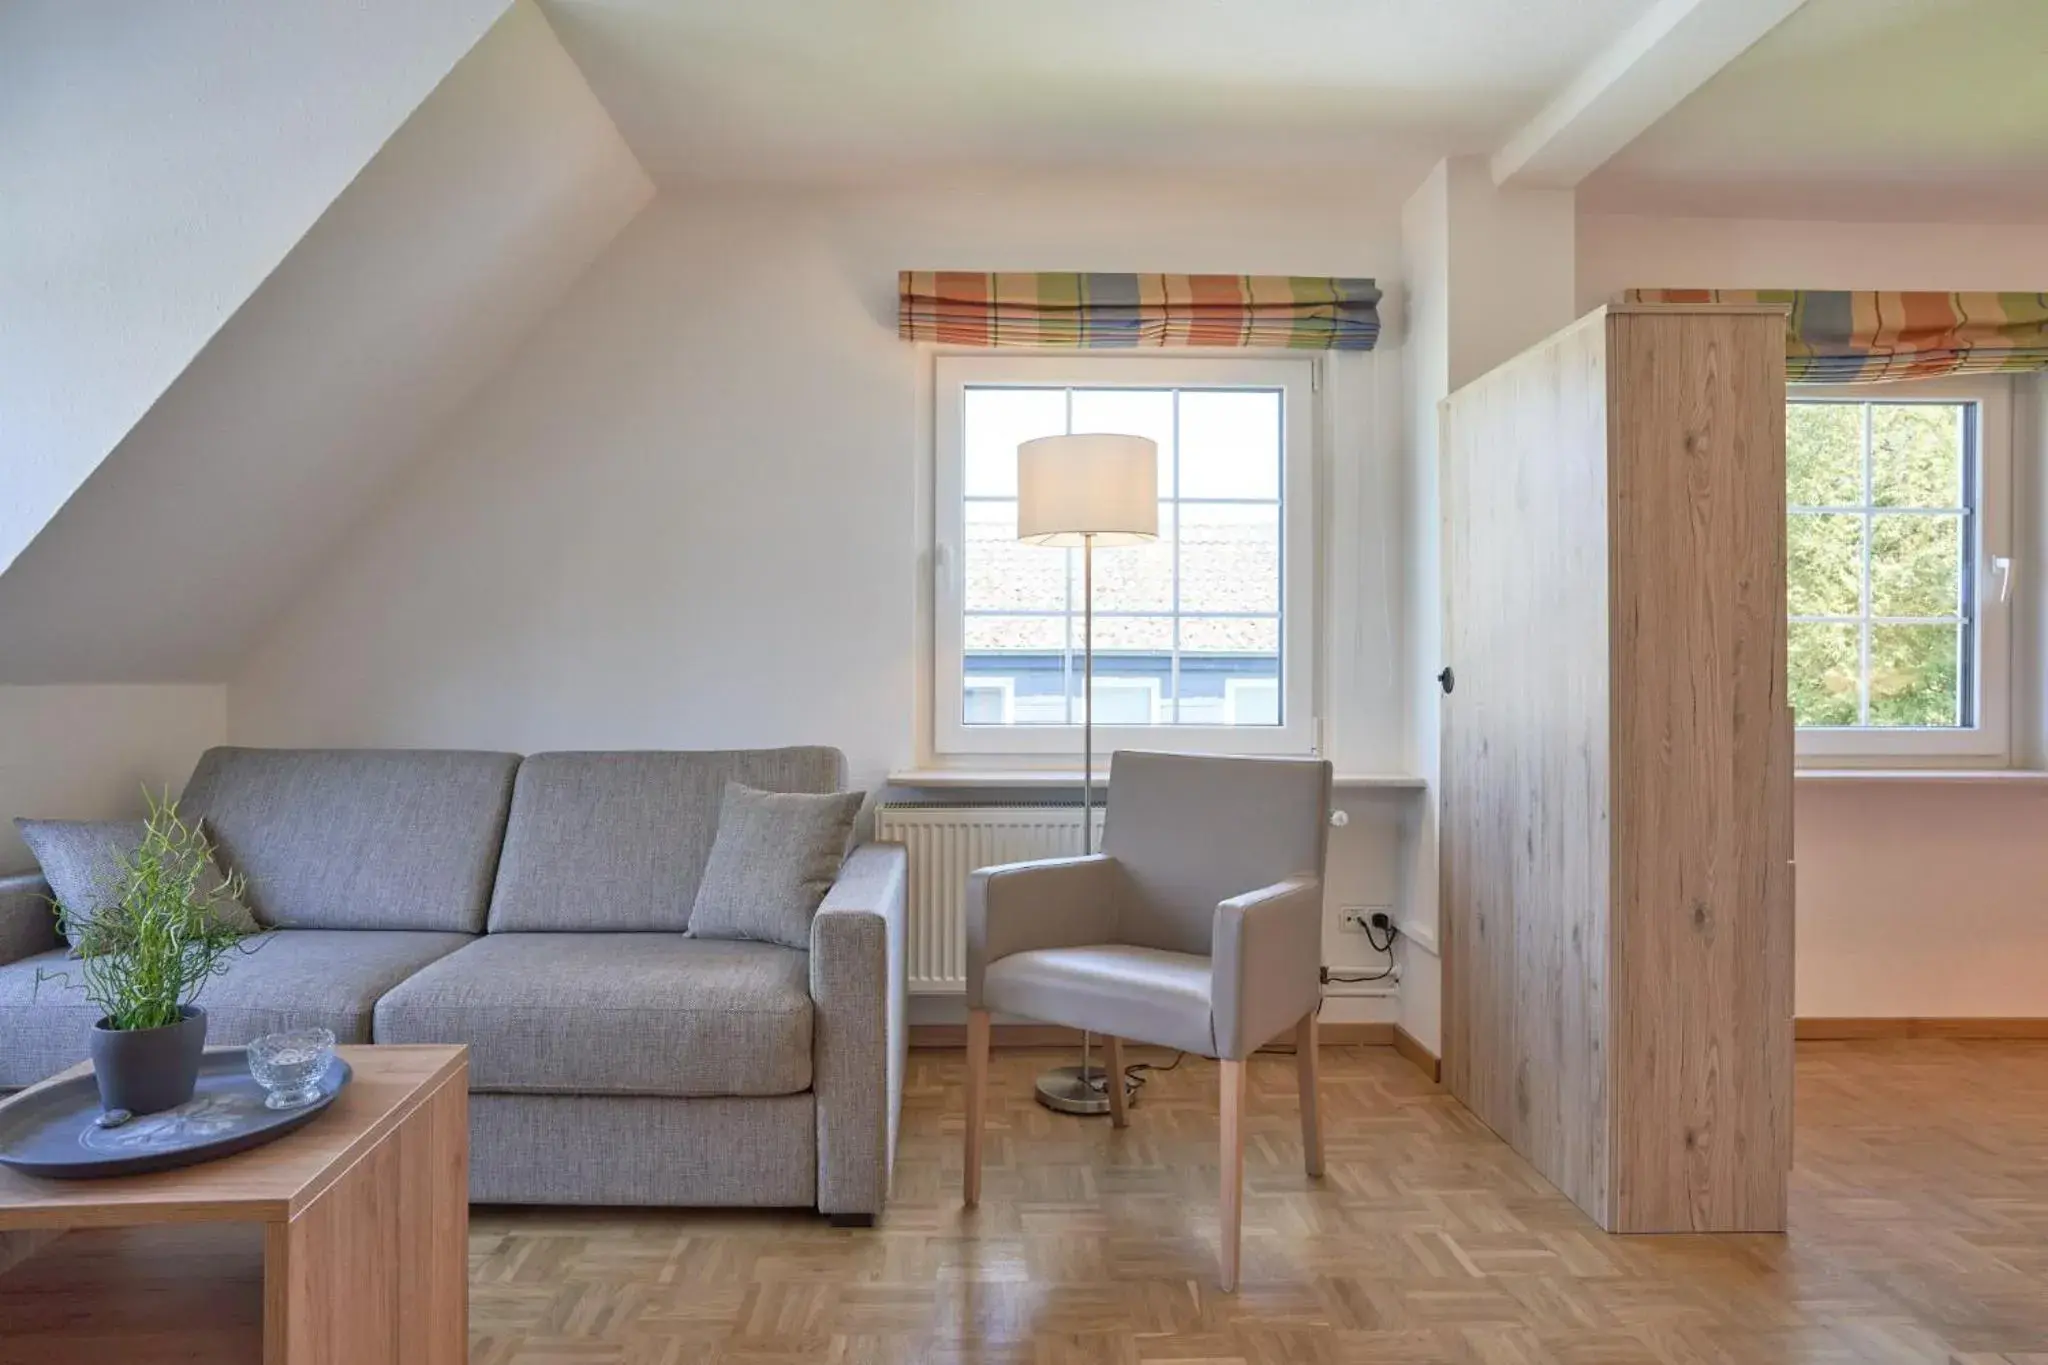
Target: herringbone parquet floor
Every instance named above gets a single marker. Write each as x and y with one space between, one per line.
1919 1234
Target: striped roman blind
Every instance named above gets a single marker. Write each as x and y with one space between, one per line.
1850 337
1090 311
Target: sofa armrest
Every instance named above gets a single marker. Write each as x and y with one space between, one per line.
1046 903
1266 959
860 1033
27 924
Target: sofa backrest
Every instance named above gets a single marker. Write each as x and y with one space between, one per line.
358 838
617 842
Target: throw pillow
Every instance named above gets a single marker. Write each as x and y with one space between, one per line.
85 862
775 856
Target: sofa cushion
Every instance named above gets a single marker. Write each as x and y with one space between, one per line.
87 864
289 979
775 857
358 838
618 841
614 1014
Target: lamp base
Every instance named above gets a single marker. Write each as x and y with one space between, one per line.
1066 1090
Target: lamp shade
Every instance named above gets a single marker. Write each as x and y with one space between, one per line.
1100 485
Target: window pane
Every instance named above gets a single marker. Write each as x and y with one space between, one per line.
1016 633
1824 564
1824 454
1015 662
1113 634
990 700
1131 412
1824 662
1230 671
1229 557
996 422
1916 455
1253 700
1003 573
1915 675
1133 577
1129 700
1229 444
1916 565
1133 670
1234 635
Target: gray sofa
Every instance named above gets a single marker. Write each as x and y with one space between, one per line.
532 908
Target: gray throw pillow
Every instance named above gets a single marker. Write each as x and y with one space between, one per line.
85 862
775 856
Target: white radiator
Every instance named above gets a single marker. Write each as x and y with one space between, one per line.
946 843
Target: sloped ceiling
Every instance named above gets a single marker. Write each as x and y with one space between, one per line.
309 403
156 163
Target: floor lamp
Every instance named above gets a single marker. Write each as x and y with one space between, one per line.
1086 490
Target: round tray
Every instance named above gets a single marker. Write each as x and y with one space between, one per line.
53 1132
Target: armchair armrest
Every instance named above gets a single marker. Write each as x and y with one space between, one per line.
1047 903
860 1034
27 924
1266 961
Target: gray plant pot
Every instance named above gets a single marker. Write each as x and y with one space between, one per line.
145 1070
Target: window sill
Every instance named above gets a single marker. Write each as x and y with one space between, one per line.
1034 779
1925 776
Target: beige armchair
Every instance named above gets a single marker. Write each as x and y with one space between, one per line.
1198 927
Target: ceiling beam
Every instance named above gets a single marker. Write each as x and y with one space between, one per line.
1641 76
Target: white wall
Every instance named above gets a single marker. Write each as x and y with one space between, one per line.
694 509
1489 273
411 289
157 161
86 753
1617 252
1922 900
1913 900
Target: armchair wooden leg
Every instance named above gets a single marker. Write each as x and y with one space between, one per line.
1232 1201
1113 1072
977 1103
1307 1057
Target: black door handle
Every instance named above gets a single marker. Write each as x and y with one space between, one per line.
1448 681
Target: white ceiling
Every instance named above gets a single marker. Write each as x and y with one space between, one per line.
1914 110
846 89
1891 109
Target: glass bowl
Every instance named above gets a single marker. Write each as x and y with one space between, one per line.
290 1065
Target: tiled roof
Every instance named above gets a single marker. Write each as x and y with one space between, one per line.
1229 561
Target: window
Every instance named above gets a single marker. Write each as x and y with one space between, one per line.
1202 637
1895 575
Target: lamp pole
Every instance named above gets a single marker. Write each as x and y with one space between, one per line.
1073 490
1087 707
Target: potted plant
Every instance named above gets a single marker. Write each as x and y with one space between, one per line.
143 957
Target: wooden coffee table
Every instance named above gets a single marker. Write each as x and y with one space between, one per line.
345 1243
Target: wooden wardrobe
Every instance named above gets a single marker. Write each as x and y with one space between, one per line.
1616 816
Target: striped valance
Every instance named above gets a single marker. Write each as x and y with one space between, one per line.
1841 337
1008 308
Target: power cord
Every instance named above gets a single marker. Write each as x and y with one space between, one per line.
1135 1076
1386 947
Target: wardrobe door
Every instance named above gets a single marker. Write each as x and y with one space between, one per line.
1524 787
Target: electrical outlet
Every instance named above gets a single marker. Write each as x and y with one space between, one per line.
1353 919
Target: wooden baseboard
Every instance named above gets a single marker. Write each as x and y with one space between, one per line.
1425 1061
954 1036
1841 1030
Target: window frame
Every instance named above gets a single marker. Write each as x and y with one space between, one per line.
1988 528
1295 378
